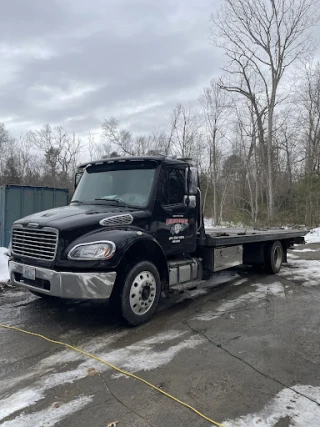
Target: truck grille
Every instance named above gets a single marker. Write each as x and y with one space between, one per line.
36 244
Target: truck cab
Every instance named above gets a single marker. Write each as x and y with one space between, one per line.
129 217
133 230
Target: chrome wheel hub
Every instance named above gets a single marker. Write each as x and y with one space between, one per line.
142 293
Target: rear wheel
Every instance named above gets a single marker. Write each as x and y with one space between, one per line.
273 257
140 293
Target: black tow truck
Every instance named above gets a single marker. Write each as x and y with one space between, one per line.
134 229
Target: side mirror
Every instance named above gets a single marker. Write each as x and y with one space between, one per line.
193 181
190 201
77 178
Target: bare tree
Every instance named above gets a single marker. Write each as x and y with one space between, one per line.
99 149
262 38
182 136
61 151
214 104
6 143
248 136
185 130
118 137
69 149
92 147
25 154
310 99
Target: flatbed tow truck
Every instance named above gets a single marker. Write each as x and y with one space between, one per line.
134 230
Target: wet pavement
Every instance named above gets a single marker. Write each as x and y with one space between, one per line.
243 349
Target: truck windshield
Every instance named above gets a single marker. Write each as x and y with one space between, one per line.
127 186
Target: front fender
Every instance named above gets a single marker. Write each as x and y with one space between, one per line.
123 239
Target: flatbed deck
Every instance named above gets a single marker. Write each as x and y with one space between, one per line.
238 236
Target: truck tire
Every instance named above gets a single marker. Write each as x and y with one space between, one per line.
140 293
273 257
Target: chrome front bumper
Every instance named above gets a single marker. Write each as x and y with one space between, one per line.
65 284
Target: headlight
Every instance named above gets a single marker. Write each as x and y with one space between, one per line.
92 251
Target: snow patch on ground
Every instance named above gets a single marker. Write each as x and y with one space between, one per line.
223 277
306 250
219 278
242 301
50 416
22 399
131 358
313 236
240 282
12 305
292 256
196 292
191 294
93 346
287 406
4 273
302 270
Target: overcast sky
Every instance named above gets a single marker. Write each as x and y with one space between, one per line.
76 62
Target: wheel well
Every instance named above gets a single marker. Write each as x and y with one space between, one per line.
146 250
254 253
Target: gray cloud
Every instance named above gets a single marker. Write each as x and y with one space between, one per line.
77 62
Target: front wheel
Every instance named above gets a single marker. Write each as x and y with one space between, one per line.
140 293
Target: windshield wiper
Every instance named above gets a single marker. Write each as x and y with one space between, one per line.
117 200
77 201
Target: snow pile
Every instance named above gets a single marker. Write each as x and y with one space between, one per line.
4 273
209 223
313 236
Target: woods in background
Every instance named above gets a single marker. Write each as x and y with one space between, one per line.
254 133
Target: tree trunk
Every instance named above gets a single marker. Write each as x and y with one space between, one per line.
270 163
215 177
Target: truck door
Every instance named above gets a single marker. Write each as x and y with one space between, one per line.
176 225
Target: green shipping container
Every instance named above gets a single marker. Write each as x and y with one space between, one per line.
18 201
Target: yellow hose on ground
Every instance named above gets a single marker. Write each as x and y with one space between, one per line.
92 356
